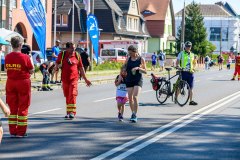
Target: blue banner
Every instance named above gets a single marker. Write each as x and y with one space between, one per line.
37 18
92 26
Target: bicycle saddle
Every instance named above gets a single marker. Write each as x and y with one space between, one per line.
168 69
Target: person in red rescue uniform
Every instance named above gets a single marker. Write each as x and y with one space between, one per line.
237 67
71 64
18 88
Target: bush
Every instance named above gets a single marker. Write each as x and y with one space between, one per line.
108 65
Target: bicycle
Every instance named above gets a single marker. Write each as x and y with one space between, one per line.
163 88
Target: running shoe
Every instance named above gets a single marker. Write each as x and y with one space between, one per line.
120 117
71 116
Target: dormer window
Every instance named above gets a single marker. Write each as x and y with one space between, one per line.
147 12
62 20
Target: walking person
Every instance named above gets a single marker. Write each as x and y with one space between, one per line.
229 61
206 61
6 112
85 59
162 59
121 93
237 67
18 88
220 62
154 61
71 64
185 60
55 53
136 66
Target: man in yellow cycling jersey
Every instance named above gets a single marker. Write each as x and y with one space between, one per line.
185 59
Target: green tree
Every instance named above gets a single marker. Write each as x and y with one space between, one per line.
195 31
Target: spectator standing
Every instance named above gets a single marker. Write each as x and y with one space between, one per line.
161 59
6 111
71 65
220 61
237 67
135 65
154 60
55 53
185 60
85 59
206 61
26 49
18 88
229 61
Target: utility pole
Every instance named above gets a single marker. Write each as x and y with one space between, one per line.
183 28
7 14
73 20
91 46
55 22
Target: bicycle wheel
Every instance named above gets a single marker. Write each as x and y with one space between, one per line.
182 93
162 93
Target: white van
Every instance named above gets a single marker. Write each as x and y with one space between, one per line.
115 54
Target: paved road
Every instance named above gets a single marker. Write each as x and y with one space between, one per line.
207 131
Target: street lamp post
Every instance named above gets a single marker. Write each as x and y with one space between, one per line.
55 22
55 19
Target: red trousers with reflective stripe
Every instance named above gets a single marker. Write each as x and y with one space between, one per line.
70 91
237 71
18 95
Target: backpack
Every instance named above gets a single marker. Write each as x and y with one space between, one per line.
76 54
161 57
206 59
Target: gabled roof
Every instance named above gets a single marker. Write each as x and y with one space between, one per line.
158 6
209 10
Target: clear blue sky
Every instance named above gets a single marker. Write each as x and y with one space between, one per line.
178 4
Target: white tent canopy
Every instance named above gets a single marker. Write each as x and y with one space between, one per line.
7 34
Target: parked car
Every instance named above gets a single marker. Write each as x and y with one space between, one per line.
115 54
37 58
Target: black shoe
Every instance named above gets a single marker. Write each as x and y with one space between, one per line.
49 88
57 82
193 103
45 89
67 116
232 79
52 82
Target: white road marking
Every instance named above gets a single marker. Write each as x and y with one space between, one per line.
45 111
171 130
105 99
138 139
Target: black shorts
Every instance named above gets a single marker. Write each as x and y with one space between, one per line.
0 123
134 83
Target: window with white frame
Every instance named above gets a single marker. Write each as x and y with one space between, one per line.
132 24
133 4
13 4
62 20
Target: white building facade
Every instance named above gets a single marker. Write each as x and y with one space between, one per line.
223 29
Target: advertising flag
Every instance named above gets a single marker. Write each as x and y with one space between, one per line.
92 26
37 18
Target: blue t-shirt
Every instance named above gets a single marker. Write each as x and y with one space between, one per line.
154 58
55 50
